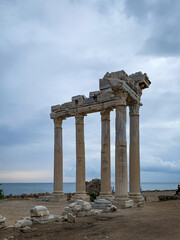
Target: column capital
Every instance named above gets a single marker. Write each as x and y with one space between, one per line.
80 118
105 114
134 110
121 108
58 122
122 98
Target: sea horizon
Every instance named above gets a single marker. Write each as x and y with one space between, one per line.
70 187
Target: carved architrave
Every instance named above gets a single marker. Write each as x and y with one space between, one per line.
105 114
134 110
79 118
58 122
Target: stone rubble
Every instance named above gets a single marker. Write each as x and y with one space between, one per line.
23 223
81 208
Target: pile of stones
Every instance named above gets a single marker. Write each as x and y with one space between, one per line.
39 215
81 208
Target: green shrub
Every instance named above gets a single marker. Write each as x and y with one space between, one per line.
1 194
93 196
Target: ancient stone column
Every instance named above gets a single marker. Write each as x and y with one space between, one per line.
80 158
58 157
105 155
134 156
121 186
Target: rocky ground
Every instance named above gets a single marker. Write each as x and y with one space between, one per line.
157 220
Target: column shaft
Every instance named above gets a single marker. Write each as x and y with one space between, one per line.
80 155
121 153
134 156
105 153
58 157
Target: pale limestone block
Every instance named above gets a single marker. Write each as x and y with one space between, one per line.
39 211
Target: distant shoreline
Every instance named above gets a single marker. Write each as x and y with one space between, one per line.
36 195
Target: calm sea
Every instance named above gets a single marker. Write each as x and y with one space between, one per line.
20 188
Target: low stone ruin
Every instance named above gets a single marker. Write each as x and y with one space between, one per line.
81 208
173 197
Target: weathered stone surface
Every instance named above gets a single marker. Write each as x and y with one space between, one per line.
71 218
22 223
80 208
123 203
103 201
39 211
2 221
96 211
104 205
25 229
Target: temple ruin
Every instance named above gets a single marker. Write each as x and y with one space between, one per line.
117 90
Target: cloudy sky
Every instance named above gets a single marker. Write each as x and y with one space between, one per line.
53 50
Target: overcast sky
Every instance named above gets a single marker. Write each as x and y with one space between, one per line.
53 50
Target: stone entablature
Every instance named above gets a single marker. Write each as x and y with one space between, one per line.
112 88
117 91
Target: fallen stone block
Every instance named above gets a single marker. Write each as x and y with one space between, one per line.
2 221
39 211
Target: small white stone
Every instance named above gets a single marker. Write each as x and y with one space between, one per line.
2 219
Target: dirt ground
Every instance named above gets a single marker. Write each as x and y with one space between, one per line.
157 220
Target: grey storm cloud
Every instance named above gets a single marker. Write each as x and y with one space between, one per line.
51 51
162 20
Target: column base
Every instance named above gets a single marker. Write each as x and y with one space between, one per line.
123 202
82 196
107 196
58 196
138 199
